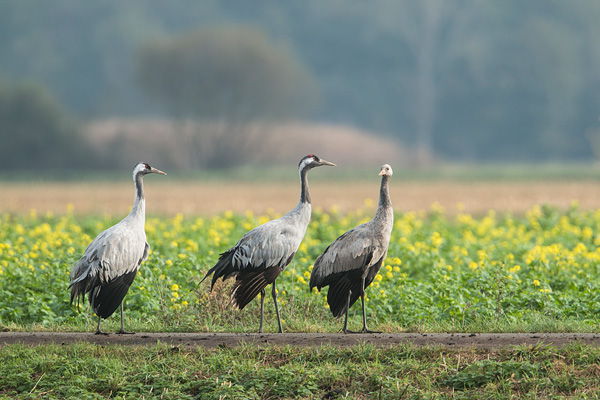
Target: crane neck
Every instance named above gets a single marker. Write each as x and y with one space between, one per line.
385 204
139 205
304 191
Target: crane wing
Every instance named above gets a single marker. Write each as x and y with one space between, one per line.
272 244
268 245
114 252
355 250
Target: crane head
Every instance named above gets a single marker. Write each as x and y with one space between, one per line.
386 170
145 168
311 161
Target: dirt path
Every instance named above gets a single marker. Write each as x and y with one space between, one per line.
212 340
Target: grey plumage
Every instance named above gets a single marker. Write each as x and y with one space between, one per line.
352 261
109 264
261 254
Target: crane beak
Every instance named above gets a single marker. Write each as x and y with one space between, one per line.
157 171
382 172
325 162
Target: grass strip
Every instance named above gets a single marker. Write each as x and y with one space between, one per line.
86 371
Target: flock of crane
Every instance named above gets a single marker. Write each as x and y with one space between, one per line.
111 261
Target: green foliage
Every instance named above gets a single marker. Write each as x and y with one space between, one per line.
486 371
494 273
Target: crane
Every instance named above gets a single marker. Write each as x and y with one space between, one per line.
352 261
261 254
109 264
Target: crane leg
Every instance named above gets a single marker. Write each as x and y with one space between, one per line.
122 331
345 328
274 293
262 309
98 331
362 298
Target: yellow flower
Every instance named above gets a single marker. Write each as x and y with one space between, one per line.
303 247
169 262
175 287
437 239
536 282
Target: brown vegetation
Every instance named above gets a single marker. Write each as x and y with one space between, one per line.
163 143
207 198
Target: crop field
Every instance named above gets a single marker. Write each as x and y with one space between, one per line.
442 272
453 266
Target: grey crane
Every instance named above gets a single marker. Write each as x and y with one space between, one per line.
109 264
261 254
352 261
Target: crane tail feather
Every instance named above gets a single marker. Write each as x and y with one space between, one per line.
106 298
248 285
339 286
223 268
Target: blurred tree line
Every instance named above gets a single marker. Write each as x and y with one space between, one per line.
36 133
218 84
462 79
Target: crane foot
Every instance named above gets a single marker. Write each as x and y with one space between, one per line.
362 331
122 332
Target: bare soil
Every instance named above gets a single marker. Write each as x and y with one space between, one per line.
209 198
484 341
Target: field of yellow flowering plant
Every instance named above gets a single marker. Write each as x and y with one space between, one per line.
462 272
